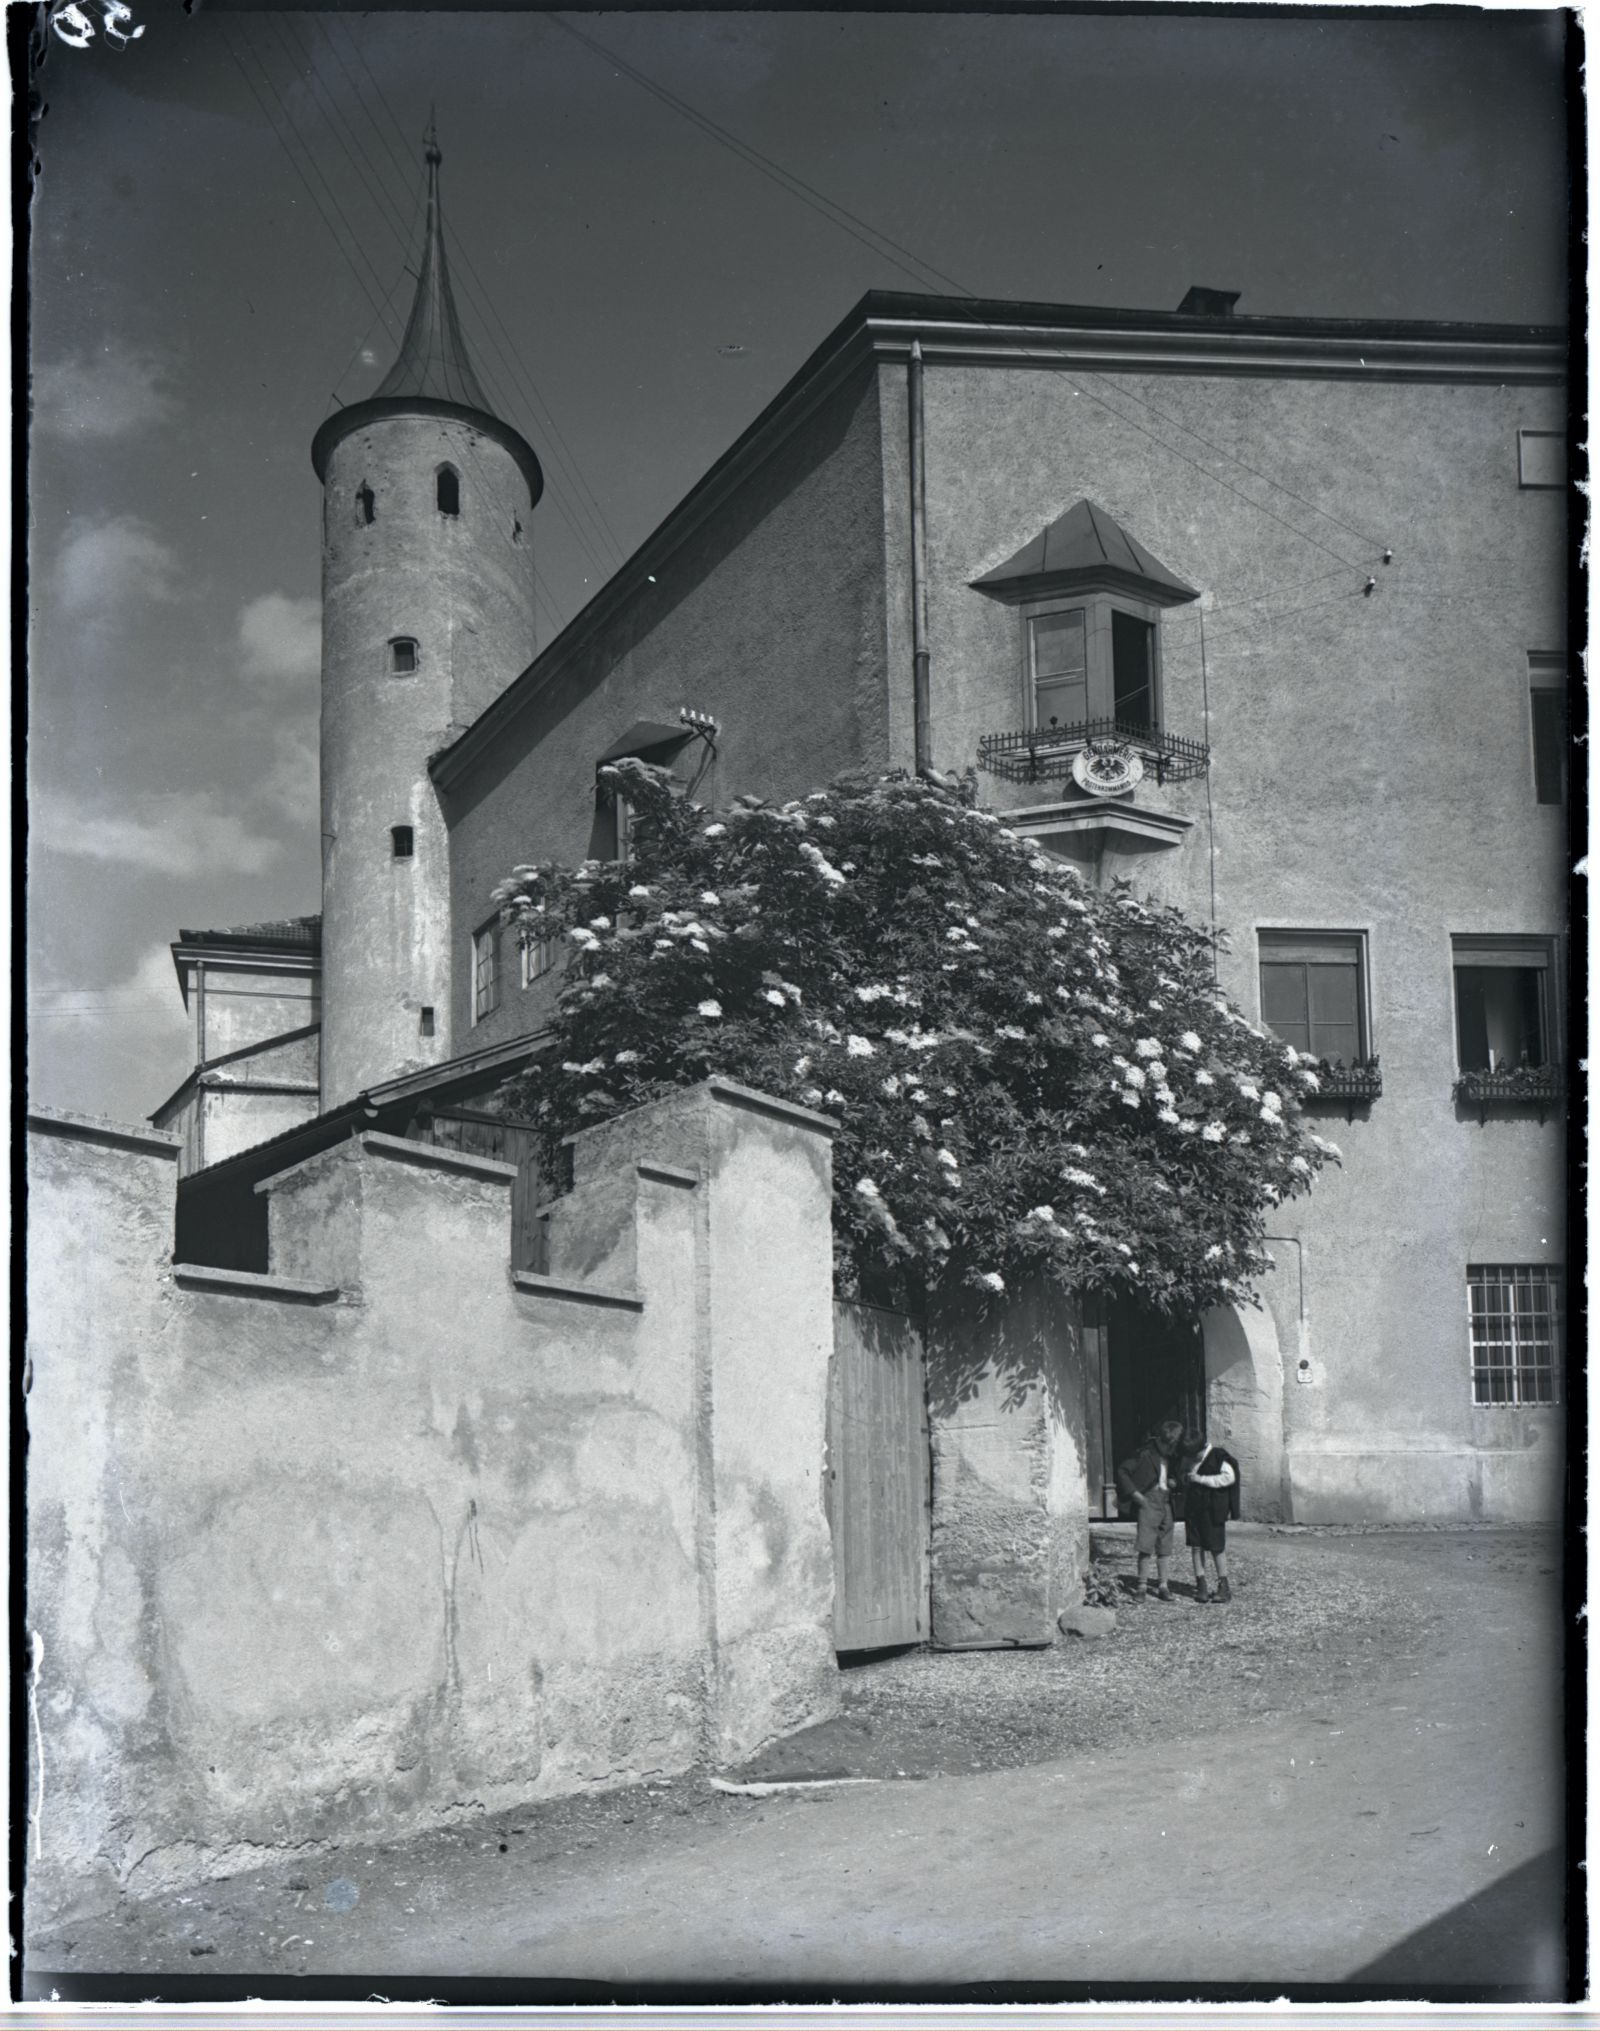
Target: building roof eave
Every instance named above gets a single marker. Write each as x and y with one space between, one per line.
976 331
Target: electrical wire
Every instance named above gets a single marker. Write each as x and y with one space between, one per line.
890 249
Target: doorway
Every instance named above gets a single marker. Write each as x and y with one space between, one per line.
1142 1369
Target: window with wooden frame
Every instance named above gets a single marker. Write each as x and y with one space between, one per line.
1505 1003
1314 992
486 970
537 955
1547 700
1515 1322
1092 661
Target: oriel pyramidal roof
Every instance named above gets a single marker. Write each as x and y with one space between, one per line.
1086 543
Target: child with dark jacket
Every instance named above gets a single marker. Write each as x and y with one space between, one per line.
1147 1481
1210 1498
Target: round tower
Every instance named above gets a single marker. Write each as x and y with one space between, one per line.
427 615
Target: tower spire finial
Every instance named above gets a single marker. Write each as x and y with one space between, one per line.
432 361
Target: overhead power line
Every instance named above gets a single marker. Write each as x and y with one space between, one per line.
899 256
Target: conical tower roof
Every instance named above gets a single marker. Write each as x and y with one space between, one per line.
432 360
432 373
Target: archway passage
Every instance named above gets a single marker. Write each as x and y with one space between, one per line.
1143 1369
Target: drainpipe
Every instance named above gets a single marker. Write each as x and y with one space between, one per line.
1303 1351
922 733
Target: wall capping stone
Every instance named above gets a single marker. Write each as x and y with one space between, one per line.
92 1128
532 1285
664 1174
433 1156
735 1095
426 1155
250 1283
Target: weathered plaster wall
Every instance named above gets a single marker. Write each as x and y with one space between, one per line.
232 1006
1006 1406
769 615
1371 771
390 1536
462 587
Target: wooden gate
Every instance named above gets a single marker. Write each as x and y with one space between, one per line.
877 1480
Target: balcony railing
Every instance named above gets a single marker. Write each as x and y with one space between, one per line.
1043 754
1359 1080
1511 1086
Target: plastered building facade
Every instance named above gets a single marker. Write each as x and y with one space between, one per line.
1298 585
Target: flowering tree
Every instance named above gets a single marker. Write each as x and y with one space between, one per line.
1030 1075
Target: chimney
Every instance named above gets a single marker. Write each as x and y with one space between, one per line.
1209 302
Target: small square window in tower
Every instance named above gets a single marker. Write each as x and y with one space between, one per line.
403 841
1313 992
403 656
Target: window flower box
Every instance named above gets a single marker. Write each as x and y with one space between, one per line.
1511 1086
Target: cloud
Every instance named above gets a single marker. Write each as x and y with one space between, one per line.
280 640
107 562
187 833
291 787
96 396
94 1045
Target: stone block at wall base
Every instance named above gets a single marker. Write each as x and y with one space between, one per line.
1006 1406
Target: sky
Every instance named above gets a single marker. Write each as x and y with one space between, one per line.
223 216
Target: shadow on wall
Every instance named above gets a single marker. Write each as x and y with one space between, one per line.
1013 1346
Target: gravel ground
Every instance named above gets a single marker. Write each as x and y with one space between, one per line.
1314 1611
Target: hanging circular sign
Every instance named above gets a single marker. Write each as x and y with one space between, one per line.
1105 769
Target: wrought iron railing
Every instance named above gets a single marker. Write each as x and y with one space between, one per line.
1039 754
1359 1080
1511 1086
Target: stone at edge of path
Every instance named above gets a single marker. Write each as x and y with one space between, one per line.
1087 1621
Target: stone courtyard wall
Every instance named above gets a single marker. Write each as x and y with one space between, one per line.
393 1536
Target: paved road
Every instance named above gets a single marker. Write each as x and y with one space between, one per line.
1404 1832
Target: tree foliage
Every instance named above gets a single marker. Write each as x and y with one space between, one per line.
1030 1075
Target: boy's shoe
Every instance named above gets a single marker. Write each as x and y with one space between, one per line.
1224 1591
1165 1594
1201 1591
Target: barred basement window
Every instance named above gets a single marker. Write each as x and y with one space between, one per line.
1515 1319
486 970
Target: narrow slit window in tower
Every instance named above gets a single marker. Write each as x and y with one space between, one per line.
448 490
366 505
404 841
427 1022
403 656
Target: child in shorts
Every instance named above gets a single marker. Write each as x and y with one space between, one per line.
1211 1497
1146 1481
